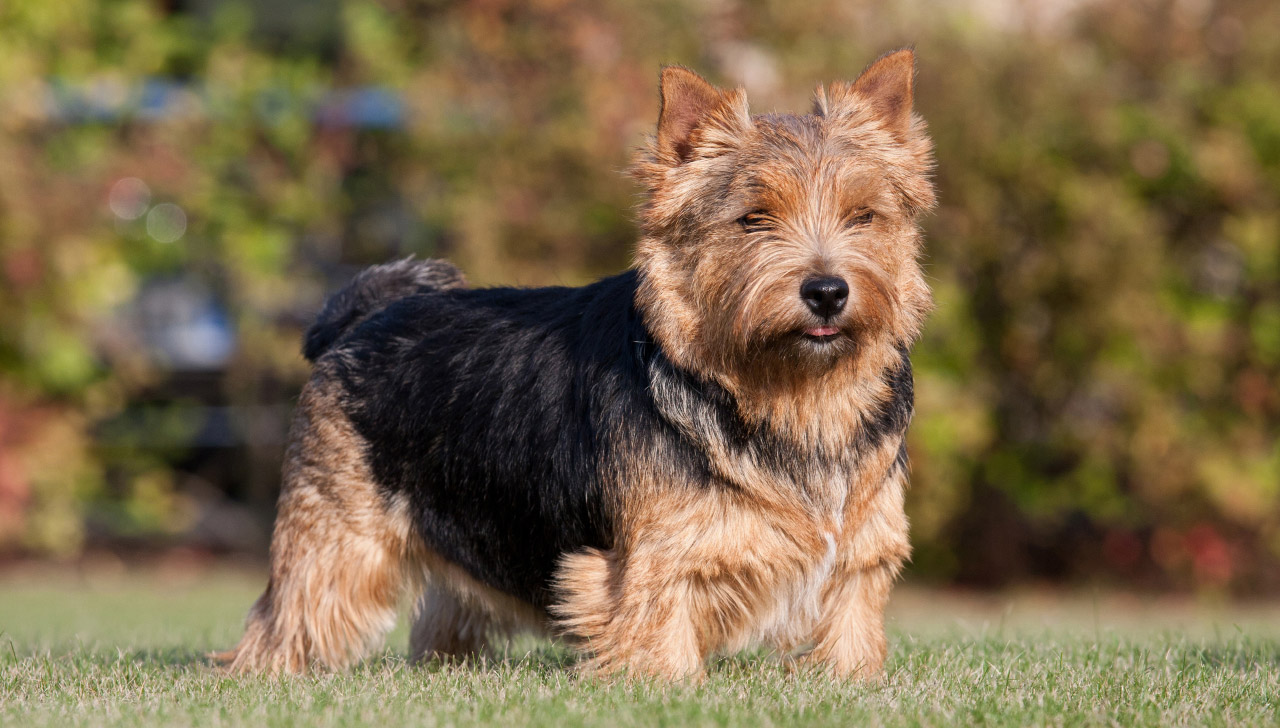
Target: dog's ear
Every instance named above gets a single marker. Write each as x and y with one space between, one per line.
885 89
695 114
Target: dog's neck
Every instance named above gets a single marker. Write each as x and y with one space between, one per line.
813 410
807 429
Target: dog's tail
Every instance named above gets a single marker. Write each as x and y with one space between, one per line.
372 290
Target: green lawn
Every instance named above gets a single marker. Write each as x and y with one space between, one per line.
128 650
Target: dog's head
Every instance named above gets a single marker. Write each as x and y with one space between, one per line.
780 244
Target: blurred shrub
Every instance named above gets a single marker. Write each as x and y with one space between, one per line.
1108 262
1099 387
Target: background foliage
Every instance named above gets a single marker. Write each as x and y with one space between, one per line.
1099 390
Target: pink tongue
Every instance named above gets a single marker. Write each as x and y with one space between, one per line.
823 331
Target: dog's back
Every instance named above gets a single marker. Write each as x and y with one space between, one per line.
485 409
372 290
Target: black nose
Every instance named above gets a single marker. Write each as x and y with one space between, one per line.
825 296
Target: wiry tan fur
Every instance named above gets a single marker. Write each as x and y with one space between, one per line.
802 558
807 560
703 571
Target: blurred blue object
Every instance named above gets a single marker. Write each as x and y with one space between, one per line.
184 326
370 107
157 99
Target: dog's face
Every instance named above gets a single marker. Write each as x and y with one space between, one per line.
784 242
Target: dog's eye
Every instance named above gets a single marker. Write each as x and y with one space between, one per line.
755 221
861 218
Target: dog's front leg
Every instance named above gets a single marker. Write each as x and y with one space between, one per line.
633 613
849 640
688 578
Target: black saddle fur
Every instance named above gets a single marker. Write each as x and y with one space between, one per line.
510 418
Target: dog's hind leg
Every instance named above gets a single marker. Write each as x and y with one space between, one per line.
458 617
447 628
340 554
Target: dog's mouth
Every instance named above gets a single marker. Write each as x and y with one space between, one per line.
822 334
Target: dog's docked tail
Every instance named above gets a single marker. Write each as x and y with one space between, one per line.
372 290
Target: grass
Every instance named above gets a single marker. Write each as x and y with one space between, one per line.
129 650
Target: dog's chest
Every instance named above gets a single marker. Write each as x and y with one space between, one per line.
794 604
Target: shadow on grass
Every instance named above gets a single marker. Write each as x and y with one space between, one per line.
543 657
169 657
548 657
537 655
107 655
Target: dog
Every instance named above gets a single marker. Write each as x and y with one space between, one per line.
700 454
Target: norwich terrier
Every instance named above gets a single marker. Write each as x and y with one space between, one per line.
703 453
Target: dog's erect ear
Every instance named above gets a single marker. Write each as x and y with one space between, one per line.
888 85
886 88
690 103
